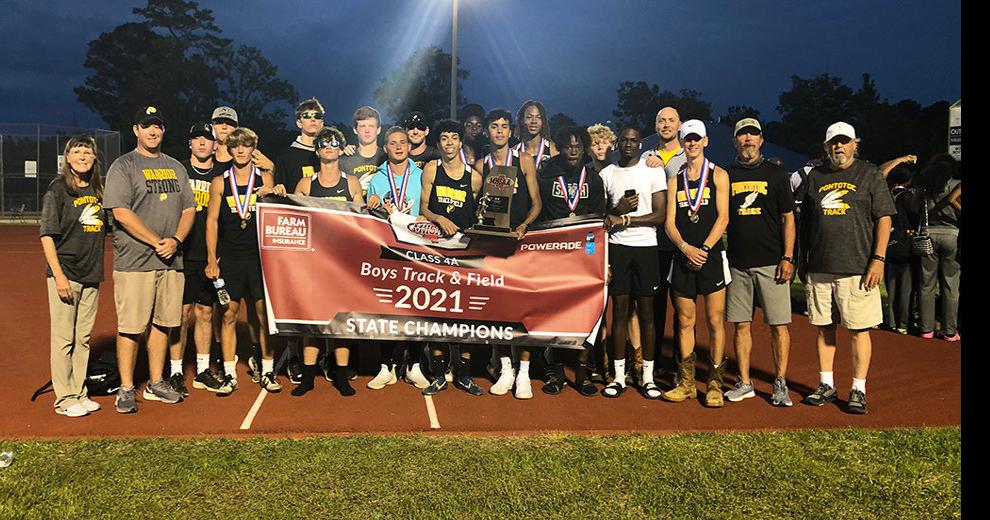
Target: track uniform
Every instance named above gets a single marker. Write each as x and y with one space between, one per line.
714 275
198 289
339 191
521 201
540 155
453 198
240 262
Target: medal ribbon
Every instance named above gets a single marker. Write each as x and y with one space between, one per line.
695 204
577 194
399 197
490 158
242 208
539 153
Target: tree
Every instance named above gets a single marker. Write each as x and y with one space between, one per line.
560 120
737 112
421 83
639 102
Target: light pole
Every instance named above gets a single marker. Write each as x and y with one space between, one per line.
453 65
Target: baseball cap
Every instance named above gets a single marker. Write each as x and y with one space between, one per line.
747 122
225 113
838 129
149 115
202 129
693 126
414 119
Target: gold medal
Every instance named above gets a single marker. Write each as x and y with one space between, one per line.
572 214
693 217
243 224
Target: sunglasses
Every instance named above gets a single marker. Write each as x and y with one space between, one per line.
224 121
323 143
749 131
311 115
417 124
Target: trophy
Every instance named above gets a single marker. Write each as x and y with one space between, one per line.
495 203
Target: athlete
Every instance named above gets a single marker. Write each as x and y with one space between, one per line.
697 216
419 129
474 143
533 130
369 156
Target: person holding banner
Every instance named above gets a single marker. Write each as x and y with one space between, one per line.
328 183
533 130
697 216
450 191
232 208
525 208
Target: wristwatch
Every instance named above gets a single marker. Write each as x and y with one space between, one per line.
787 259
705 248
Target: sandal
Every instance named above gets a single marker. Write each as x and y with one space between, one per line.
651 391
613 390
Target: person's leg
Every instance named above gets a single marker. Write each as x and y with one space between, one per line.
715 317
134 300
89 300
438 369
620 331
742 338
890 283
127 346
157 346
506 376
684 308
265 341
862 350
177 341
202 335
644 307
660 306
310 352
63 320
949 273
462 373
341 356
926 294
386 373
228 339
899 293
780 342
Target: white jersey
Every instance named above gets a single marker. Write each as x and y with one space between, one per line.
645 181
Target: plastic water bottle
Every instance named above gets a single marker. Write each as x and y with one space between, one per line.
222 294
6 459
589 244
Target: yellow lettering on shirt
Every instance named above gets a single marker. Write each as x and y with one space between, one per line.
694 193
88 199
159 174
447 195
233 205
750 211
837 186
748 187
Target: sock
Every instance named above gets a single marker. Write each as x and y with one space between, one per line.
176 365
463 368
826 377
506 364
620 372
647 371
267 365
230 368
308 374
437 366
340 381
523 369
202 363
859 384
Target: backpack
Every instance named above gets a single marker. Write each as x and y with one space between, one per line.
102 375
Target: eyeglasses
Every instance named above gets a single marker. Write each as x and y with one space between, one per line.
311 115
323 143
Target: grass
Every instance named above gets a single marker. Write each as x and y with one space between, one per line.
808 474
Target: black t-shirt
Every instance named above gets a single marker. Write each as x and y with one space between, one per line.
431 153
194 248
297 162
453 198
838 214
236 241
695 233
339 191
362 167
758 195
592 191
77 224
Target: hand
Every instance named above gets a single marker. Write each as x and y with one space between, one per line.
612 220
873 275
166 248
448 227
695 255
913 159
279 190
654 161
374 201
608 275
63 288
784 272
627 204
261 160
349 150
212 270
521 231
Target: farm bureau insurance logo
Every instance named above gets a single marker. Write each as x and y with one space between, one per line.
282 229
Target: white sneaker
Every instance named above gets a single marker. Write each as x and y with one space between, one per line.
449 375
415 377
386 376
90 405
76 410
504 383
524 388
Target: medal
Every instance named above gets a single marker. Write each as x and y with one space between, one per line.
243 224
539 153
572 203
399 194
490 159
694 204
243 206
572 214
693 217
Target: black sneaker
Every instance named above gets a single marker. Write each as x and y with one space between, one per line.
857 402
205 380
468 385
823 394
439 384
293 369
178 383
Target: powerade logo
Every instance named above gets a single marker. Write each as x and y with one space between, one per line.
500 182
552 246
427 230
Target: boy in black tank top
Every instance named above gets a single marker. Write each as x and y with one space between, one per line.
697 216
450 189
231 231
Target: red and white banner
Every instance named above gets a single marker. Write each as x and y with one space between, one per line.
333 270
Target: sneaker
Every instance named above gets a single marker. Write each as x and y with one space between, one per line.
504 383
954 337
439 384
524 388
229 385
386 376
740 391
90 404
270 382
178 383
254 368
823 394
125 402
161 391
415 377
901 330
468 385
205 380
928 335
293 369
857 402
780 393
76 410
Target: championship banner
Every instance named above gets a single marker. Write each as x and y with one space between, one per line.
333 270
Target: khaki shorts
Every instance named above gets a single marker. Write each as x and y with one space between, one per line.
147 297
834 297
757 285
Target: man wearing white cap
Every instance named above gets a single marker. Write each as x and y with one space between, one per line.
846 224
697 215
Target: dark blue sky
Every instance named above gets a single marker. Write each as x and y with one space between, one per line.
570 54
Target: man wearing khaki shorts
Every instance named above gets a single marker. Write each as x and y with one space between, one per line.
761 250
154 207
845 227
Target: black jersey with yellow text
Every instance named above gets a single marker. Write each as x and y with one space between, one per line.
453 198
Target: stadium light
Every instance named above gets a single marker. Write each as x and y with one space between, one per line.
453 63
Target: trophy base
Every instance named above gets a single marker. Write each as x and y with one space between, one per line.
492 231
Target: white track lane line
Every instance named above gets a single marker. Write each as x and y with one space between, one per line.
249 418
432 412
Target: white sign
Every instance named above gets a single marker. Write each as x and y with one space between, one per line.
955 130
31 169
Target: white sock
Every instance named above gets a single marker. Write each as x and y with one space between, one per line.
647 371
826 377
620 371
176 365
506 364
523 369
229 368
859 384
202 363
267 365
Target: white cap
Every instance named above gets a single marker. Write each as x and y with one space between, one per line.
840 128
693 126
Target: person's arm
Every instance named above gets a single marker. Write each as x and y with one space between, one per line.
874 268
268 185
721 179
785 268
886 167
656 217
553 149
135 227
212 227
262 161
304 185
527 166
954 199
354 186
62 286
374 199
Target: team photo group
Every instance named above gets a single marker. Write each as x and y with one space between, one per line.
681 230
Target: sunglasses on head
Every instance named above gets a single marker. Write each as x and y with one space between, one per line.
311 115
323 143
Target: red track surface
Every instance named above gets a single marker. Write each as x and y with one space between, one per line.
912 382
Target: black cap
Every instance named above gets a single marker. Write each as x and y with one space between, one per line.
149 115
202 129
414 119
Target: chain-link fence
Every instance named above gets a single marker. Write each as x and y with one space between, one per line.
30 155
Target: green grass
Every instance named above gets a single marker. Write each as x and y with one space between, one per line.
907 473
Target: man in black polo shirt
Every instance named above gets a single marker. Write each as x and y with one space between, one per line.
418 129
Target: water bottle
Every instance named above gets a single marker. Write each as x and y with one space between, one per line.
6 459
222 294
589 244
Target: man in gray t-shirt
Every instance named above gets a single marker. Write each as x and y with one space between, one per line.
154 208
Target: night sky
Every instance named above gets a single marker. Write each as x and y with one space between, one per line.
570 54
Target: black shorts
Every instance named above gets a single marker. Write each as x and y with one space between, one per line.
712 277
635 270
242 278
198 288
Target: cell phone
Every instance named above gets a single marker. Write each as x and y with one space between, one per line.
629 193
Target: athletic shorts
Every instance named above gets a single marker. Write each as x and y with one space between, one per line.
242 278
712 277
145 297
635 270
198 288
841 298
757 286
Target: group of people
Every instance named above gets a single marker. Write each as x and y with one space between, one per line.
186 248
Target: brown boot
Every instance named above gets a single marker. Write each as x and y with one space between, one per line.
685 387
713 397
